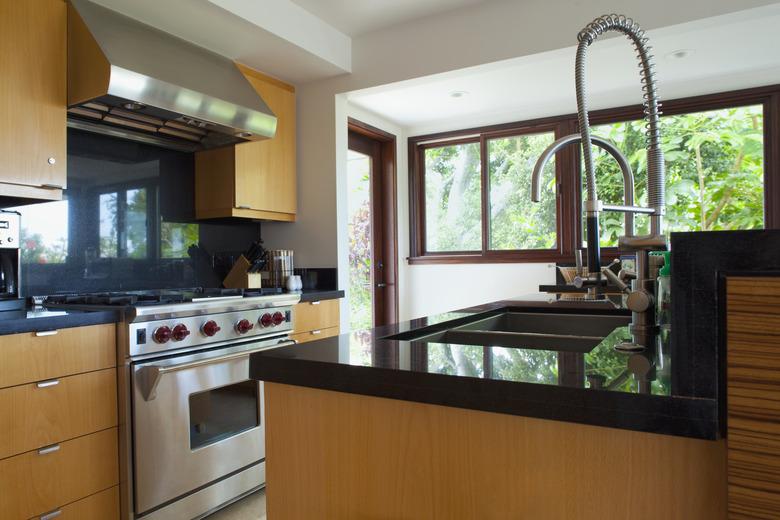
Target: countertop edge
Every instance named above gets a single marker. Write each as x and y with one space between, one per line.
39 324
316 294
679 416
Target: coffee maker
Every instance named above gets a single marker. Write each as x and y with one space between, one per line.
10 297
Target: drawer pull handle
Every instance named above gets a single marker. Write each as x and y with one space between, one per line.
50 515
318 331
42 333
49 449
46 384
315 303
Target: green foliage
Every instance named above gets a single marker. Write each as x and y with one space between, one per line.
714 171
515 221
453 198
35 250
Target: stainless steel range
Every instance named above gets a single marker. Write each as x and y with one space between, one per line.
191 421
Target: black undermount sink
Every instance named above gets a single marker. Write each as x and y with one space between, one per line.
560 332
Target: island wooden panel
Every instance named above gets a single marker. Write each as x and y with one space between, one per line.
29 356
753 377
32 483
346 456
77 405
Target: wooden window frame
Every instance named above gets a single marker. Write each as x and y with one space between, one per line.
568 174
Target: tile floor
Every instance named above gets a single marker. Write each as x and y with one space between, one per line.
251 507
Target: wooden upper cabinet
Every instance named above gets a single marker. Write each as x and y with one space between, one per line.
33 94
254 179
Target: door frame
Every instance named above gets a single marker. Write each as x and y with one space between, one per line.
384 298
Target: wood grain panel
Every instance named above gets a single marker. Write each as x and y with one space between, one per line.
303 337
33 92
265 170
308 316
75 406
753 379
27 357
100 506
32 484
215 182
346 456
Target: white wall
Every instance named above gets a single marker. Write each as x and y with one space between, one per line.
467 37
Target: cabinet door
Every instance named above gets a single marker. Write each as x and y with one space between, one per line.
265 170
753 379
33 93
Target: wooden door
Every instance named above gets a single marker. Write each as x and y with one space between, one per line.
379 149
265 170
32 93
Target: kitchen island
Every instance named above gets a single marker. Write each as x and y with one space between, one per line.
374 424
388 423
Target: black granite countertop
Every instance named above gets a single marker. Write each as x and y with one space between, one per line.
592 386
39 319
313 295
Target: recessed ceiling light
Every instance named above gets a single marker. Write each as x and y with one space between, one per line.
458 94
679 54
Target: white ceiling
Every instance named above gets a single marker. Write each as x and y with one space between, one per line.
355 17
733 51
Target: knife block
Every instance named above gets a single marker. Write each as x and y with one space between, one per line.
240 278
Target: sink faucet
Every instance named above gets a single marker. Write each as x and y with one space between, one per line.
641 292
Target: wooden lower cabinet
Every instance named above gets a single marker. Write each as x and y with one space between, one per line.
303 337
35 356
753 379
59 450
103 505
315 320
35 483
38 414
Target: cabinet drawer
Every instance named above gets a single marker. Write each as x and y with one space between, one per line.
33 483
39 414
100 506
35 356
303 337
322 314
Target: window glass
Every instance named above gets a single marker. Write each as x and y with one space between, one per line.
453 198
223 412
515 221
714 171
44 232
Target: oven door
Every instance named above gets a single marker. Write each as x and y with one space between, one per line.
196 419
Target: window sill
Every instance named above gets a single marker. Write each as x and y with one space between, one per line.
493 257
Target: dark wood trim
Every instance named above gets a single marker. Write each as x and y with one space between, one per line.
568 173
381 146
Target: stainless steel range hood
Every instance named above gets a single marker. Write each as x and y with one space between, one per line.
133 81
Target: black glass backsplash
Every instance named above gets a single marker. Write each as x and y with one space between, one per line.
126 222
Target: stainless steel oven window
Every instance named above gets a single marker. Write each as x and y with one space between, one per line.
220 413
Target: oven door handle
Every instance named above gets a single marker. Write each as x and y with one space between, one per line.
149 376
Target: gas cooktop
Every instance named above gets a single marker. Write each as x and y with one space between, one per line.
155 297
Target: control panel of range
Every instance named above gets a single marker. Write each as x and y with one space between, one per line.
193 331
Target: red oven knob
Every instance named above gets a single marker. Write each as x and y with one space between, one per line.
210 328
180 332
266 320
278 318
244 326
162 334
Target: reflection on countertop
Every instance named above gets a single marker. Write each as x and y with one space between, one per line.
37 319
599 386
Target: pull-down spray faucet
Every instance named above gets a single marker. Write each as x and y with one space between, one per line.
641 293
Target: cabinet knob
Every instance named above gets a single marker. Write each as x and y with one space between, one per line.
51 160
